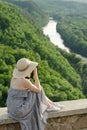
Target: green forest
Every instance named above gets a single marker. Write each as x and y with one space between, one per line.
72 25
72 22
60 74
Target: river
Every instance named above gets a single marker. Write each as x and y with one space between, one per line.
50 31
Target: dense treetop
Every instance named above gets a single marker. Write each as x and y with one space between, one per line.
32 11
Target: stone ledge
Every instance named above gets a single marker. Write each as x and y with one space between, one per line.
74 107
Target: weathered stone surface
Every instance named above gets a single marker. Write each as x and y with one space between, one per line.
81 123
72 119
3 127
65 127
15 126
51 126
83 129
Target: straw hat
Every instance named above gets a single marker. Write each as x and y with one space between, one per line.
24 68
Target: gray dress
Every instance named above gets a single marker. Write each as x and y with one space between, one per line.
28 108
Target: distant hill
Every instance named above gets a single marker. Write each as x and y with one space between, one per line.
32 11
83 1
19 38
40 1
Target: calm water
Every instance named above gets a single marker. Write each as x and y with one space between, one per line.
50 31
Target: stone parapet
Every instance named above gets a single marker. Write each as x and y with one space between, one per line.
72 117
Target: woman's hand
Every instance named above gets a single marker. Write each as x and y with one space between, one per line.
35 75
37 83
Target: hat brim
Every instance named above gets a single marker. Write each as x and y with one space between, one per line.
25 73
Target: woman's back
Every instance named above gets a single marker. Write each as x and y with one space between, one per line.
17 83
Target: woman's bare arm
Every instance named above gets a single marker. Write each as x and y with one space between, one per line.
28 85
36 87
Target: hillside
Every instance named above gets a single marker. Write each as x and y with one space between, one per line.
72 22
32 11
19 38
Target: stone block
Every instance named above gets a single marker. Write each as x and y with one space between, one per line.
81 123
13 127
65 127
52 127
3 127
72 119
